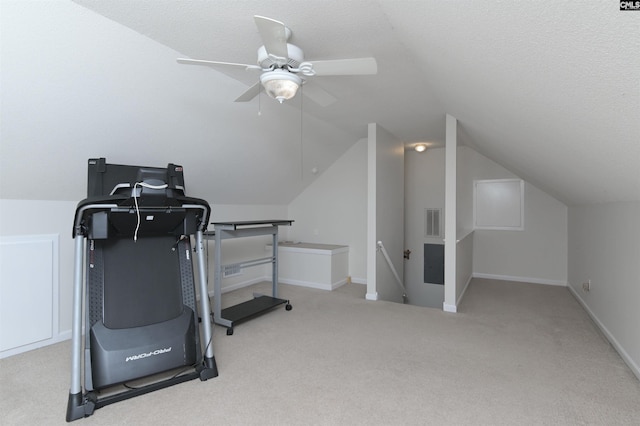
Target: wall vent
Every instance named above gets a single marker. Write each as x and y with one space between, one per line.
231 270
432 223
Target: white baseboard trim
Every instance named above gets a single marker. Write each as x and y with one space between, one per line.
311 284
449 308
519 279
300 283
338 284
357 280
65 335
372 296
242 284
614 342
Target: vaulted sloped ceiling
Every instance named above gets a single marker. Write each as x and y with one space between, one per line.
549 89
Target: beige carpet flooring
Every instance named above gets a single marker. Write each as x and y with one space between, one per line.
515 354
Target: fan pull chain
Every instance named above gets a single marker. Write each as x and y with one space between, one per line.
259 103
301 135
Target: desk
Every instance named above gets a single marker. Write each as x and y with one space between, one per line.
260 304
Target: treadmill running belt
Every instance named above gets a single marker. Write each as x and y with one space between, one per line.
135 293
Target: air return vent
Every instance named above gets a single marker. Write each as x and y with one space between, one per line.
432 222
231 270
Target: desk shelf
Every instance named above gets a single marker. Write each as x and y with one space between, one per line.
251 308
260 304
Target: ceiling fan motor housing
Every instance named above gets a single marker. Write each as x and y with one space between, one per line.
294 53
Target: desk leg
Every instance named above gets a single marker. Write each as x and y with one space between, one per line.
217 283
274 269
217 277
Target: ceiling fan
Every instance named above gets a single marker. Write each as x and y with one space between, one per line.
283 68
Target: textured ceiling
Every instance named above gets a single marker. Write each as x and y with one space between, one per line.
224 30
549 89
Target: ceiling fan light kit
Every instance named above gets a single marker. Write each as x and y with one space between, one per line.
280 85
281 62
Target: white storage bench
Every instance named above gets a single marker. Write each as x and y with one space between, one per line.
322 266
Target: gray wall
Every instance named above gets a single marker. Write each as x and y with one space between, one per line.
385 213
333 209
536 254
28 218
424 188
604 247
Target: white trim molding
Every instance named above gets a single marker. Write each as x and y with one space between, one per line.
38 289
614 342
520 279
311 284
449 308
243 284
501 197
372 296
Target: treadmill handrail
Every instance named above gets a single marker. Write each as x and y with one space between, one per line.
206 210
77 223
128 185
97 206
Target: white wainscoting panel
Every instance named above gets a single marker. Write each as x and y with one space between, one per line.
28 292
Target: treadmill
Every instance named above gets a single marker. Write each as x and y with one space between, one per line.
133 260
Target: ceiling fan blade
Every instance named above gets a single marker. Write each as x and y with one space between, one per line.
215 64
274 36
250 93
355 66
318 95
